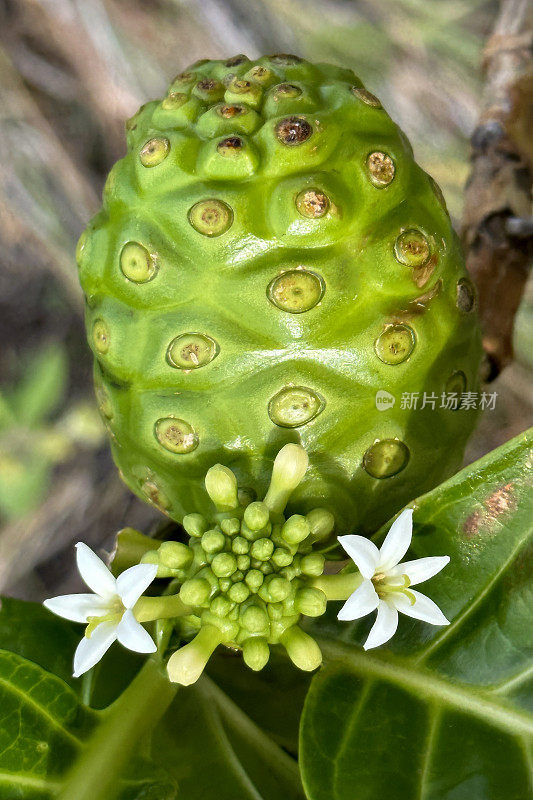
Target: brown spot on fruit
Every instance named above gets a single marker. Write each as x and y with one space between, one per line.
234 61
380 168
230 146
422 274
228 111
312 203
293 131
367 97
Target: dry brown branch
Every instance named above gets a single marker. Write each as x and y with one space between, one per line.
496 222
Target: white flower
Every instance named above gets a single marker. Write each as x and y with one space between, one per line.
108 612
386 583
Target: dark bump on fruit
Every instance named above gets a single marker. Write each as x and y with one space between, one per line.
296 291
312 203
367 97
294 406
176 435
285 59
288 90
236 60
101 336
456 384
386 458
185 77
239 85
395 344
208 85
411 248
211 217
293 131
381 169
230 146
174 100
191 351
466 295
154 151
136 263
228 111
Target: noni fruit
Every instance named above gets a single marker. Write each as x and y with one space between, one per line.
270 266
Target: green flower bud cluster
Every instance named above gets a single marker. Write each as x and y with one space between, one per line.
245 576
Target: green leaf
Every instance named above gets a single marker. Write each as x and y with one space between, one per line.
42 387
45 730
215 751
441 714
273 698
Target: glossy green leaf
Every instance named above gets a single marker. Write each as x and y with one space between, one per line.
45 730
215 751
205 742
441 713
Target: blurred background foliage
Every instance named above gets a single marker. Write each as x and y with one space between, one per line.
71 73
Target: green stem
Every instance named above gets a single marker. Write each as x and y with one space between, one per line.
149 608
139 708
338 587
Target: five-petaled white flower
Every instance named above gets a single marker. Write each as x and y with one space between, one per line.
108 612
386 583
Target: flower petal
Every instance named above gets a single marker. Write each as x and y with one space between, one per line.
363 553
134 581
360 603
94 572
77 607
90 650
422 569
423 608
397 540
384 627
132 635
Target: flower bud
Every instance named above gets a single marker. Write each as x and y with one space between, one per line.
230 526
221 485
256 653
290 465
275 589
187 664
254 578
313 564
213 541
194 524
262 549
310 602
195 592
254 619
239 592
175 555
295 530
301 648
257 516
224 565
321 523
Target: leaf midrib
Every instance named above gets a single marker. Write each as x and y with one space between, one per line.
433 689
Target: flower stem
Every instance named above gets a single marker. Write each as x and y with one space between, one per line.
138 709
338 587
149 608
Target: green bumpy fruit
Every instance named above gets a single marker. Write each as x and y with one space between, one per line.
268 259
